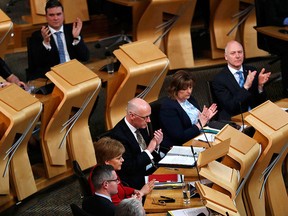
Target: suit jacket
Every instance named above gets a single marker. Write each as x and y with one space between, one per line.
123 191
4 69
176 124
97 205
231 99
40 60
133 169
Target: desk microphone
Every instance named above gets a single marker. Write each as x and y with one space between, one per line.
193 153
202 129
242 117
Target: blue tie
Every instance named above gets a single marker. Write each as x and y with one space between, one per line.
241 78
60 47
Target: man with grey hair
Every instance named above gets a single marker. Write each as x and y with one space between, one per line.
105 181
130 207
141 149
238 87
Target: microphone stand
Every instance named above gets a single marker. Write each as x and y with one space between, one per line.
242 117
204 133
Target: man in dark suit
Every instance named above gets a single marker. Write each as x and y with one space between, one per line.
139 157
105 181
44 51
231 96
6 74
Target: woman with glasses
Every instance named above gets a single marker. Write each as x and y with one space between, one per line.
110 151
181 118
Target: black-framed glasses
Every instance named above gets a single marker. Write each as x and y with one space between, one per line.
113 180
143 117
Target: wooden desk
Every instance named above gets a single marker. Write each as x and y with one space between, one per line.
283 103
190 174
138 7
103 75
273 31
174 193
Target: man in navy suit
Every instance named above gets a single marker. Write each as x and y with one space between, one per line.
105 181
231 97
43 52
139 161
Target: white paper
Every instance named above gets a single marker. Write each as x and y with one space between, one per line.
184 150
190 211
210 137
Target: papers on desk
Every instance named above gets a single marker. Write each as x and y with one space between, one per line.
166 181
180 156
209 137
189 211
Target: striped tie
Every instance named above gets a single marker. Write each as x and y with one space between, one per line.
241 78
140 140
60 47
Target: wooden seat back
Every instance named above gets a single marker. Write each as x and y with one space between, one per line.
6 28
75 91
19 113
144 67
170 21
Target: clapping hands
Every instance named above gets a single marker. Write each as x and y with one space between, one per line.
207 114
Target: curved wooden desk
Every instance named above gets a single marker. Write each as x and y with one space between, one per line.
265 189
75 91
19 112
243 154
174 19
141 74
6 28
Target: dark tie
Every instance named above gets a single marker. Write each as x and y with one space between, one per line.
60 47
241 78
140 140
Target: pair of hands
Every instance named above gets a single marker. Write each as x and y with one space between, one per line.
77 26
147 188
207 114
14 79
262 79
155 142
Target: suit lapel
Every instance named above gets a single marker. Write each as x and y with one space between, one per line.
231 79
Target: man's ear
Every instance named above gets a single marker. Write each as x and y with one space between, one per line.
105 184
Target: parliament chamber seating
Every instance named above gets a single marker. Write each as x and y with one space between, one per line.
19 113
143 70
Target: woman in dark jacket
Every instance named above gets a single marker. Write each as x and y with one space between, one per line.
180 115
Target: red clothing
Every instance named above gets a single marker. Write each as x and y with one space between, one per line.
123 191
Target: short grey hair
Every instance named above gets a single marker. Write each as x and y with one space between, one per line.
130 207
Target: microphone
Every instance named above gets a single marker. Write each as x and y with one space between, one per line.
204 133
193 153
242 117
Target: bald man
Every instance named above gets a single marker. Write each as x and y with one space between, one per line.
139 159
232 98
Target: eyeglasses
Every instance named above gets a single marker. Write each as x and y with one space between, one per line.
115 180
158 202
143 117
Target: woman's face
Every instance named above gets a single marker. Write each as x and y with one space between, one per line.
116 162
184 94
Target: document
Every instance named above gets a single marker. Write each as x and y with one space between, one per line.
189 211
180 156
166 181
